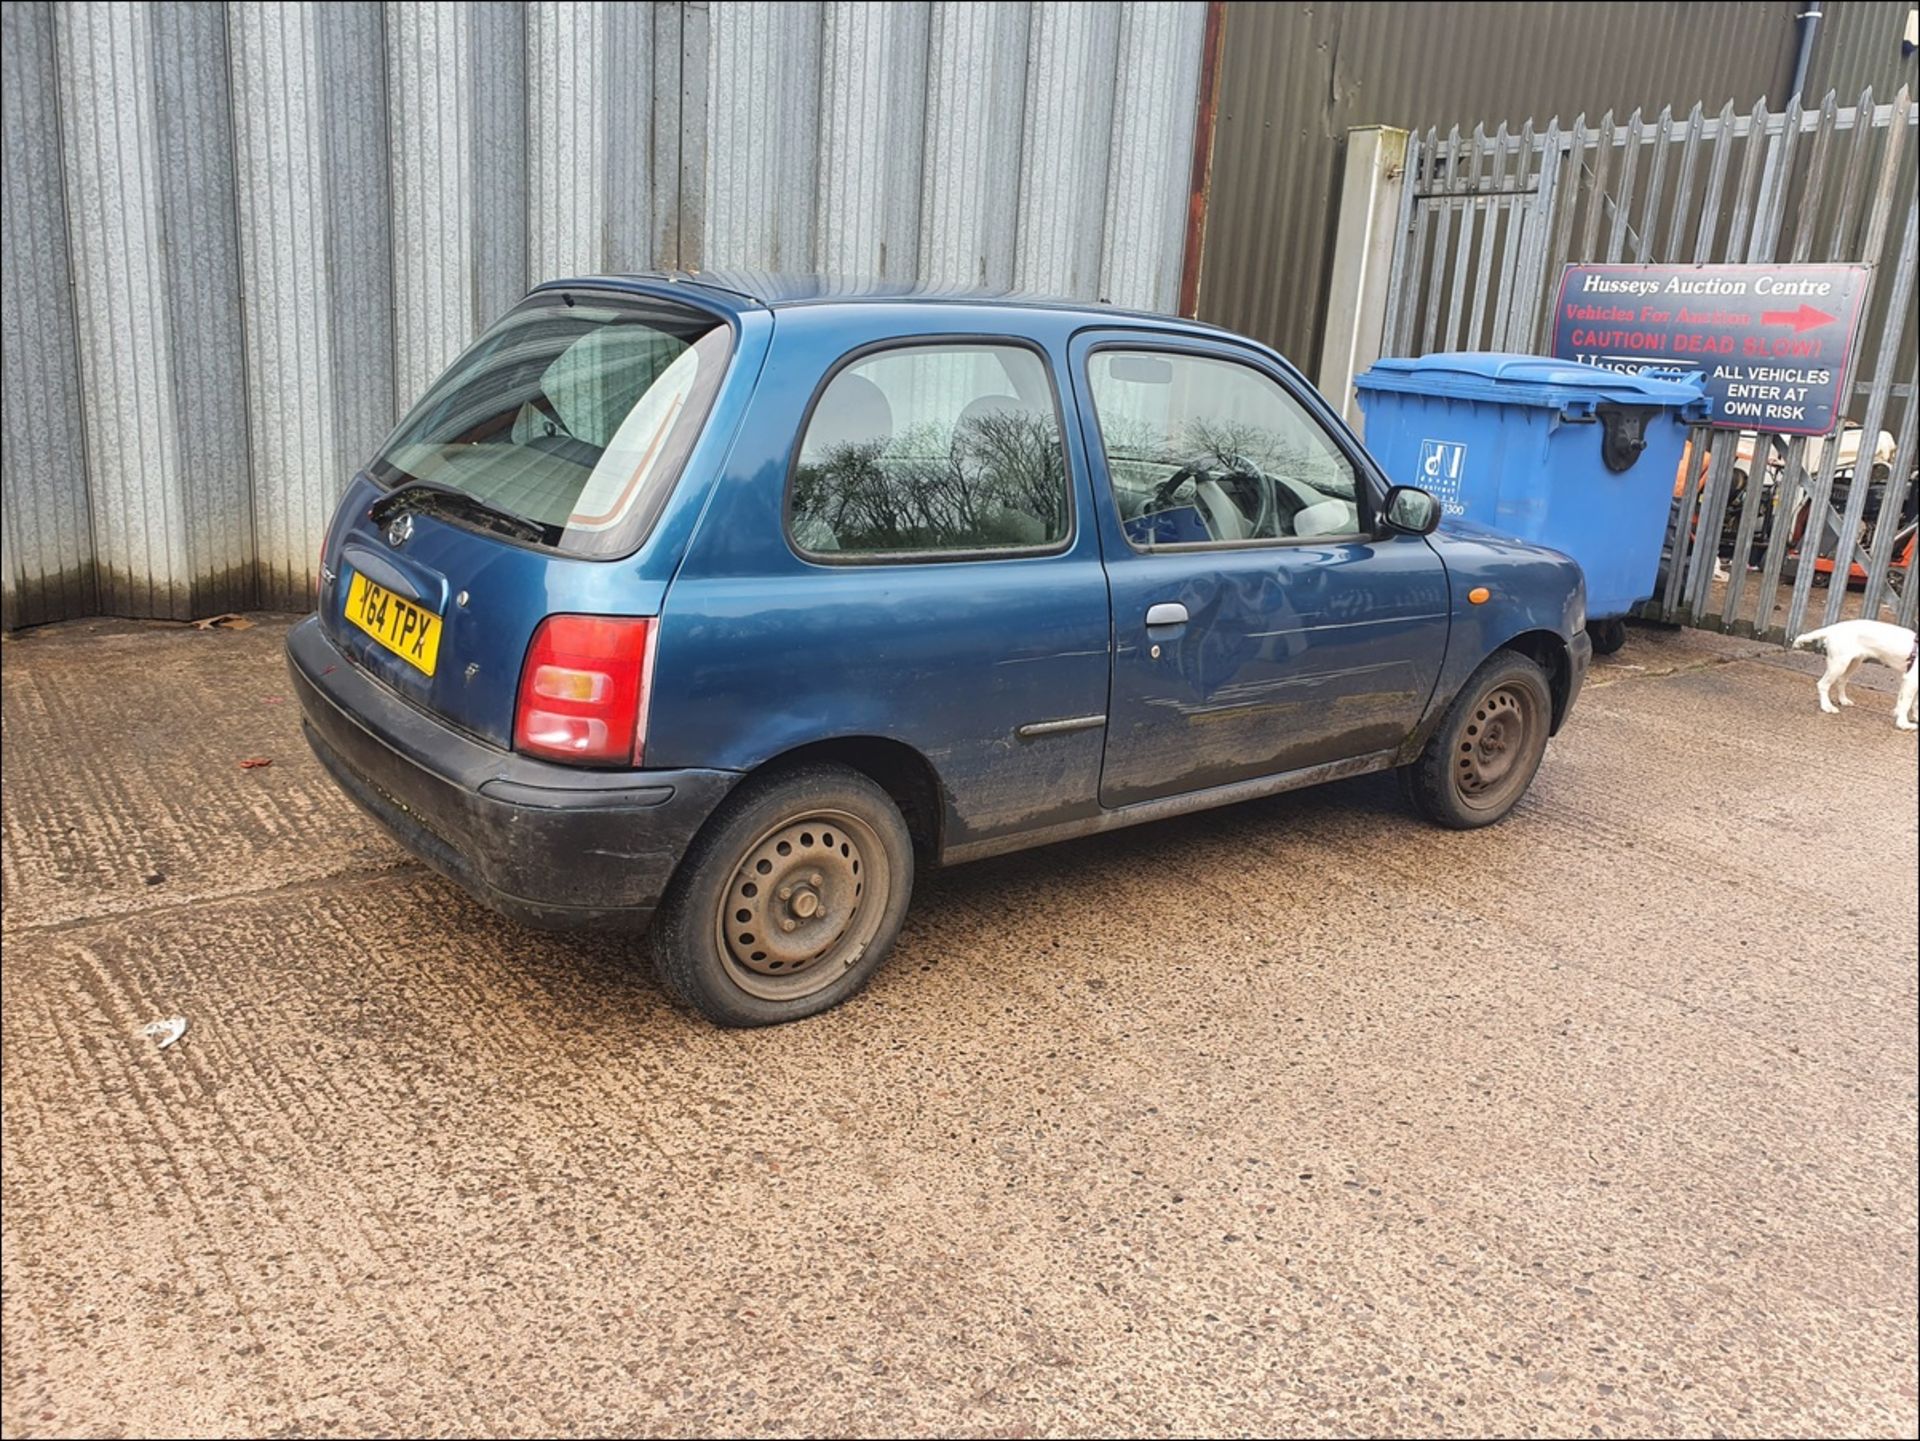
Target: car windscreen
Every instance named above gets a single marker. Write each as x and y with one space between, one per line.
575 413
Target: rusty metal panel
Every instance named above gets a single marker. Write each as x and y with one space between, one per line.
430 100
678 142
359 279
566 47
47 532
280 155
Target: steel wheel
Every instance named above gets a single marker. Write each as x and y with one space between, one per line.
1495 756
803 905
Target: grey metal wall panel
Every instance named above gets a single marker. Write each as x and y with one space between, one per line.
201 276
498 138
456 104
45 529
1158 77
625 137
107 101
566 60
1296 77
430 99
976 107
356 228
763 91
1063 163
282 87
873 107
241 238
589 99
669 35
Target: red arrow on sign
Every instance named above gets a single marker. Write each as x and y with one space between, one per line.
1805 318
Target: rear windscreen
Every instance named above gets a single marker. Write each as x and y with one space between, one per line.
575 411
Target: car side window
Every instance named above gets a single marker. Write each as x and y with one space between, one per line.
1202 451
932 448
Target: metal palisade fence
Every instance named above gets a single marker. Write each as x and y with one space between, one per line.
1770 535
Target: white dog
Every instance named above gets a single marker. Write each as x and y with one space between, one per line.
1852 642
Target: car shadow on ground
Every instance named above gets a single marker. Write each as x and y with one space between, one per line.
1020 889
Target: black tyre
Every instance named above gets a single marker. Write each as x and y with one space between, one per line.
1483 757
1607 635
787 901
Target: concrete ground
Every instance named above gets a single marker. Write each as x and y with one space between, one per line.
1297 1117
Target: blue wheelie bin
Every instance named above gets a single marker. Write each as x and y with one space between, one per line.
1572 456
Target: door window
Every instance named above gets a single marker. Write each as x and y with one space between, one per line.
932 448
1209 452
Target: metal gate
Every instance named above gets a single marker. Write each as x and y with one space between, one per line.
1760 522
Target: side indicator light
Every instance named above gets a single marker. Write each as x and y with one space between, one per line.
1479 595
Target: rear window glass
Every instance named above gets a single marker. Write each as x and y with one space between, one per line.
575 411
932 448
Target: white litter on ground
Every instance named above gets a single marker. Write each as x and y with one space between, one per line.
165 1033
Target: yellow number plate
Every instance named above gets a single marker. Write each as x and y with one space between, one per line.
402 627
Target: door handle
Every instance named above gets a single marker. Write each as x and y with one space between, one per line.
1167 612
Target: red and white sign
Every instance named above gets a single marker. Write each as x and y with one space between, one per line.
1774 343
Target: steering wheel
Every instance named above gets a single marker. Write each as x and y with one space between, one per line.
1206 472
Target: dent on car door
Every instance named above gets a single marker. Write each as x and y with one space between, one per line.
1260 623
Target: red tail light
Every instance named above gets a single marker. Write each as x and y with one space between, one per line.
583 690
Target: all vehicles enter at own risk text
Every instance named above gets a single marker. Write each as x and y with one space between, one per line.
1770 343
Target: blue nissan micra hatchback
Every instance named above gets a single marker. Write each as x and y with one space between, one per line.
720 605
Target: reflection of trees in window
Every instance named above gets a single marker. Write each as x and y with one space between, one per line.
993 481
1294 453
1208 423
1133 437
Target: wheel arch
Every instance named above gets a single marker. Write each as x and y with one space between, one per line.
1550 652
906 775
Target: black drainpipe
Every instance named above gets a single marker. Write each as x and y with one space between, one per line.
1809 21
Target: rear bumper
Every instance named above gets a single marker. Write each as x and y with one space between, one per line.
549 845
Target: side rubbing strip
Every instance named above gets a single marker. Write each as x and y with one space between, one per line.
1037 729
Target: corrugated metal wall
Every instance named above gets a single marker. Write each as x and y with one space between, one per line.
241 238
1857 45
1296 77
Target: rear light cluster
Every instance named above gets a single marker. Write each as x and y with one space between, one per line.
583 690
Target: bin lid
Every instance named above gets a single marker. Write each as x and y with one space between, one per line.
1511 378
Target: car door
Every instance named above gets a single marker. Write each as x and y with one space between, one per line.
1261 623
899 553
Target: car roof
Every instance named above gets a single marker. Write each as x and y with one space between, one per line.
737 290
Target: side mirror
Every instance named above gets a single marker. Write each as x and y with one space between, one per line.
1411 510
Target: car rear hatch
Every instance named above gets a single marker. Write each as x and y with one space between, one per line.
523 485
